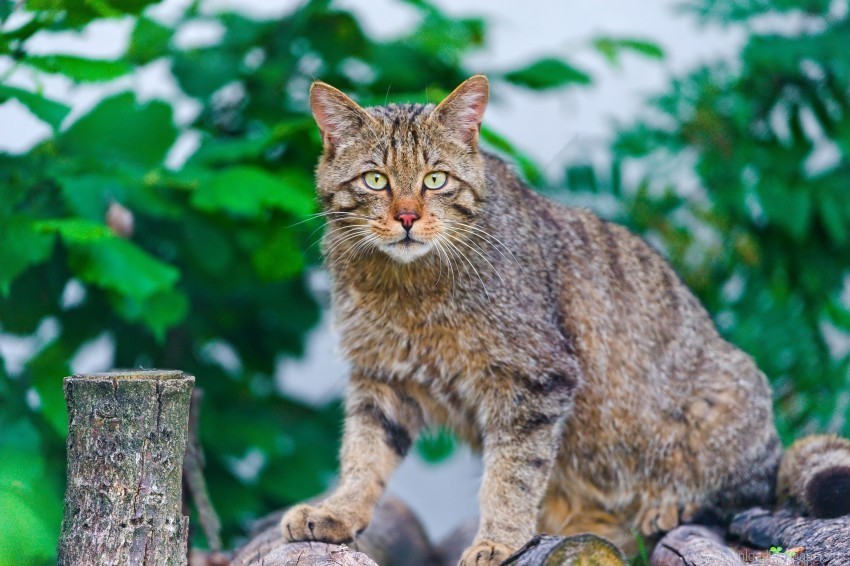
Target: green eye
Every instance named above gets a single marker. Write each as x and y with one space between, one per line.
435 180
375 181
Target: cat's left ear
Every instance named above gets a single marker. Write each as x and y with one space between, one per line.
462 111
336 114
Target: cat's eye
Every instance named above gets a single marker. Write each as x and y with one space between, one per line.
375 180
435 180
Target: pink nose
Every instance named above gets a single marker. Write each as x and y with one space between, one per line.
407 218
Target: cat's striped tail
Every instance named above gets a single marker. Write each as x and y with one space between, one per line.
814 474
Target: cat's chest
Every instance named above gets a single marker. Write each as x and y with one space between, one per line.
402 338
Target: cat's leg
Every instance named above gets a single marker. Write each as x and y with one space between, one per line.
517 464
381 422
520 448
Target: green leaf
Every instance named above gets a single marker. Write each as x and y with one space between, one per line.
77 13
47 370
279 257
548 73
21 245
80 69
75 230
43 108
789 208
220 151
611 48
89 195
149 41
118 265
120 130
31 507
201 72
436 445
249 191
158 312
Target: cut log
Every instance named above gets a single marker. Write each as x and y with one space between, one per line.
549 550
693 545
395 537
126 441
826 542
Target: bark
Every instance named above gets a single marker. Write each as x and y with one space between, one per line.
126 441
692 545
826 542
395 537
193 478
549 550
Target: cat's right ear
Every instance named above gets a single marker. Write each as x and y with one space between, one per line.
463 110
335 113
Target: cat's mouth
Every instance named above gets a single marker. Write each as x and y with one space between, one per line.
408 240
406 249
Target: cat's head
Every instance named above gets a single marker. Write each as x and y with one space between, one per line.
403 179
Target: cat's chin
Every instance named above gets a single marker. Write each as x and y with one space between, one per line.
406 252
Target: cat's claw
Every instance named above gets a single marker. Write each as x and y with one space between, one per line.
305 522
485 553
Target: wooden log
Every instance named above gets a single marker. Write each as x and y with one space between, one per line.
826 542
693 545
395 537
126 441
584 549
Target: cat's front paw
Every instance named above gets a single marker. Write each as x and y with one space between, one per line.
305 522
485 553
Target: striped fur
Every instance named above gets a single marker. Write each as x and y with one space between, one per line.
560 345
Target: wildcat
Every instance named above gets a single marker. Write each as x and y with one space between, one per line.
561 346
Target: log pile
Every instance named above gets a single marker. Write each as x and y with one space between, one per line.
131 434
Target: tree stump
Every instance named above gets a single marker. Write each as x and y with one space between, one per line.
126 441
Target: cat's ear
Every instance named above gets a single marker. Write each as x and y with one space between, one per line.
462 111
335 113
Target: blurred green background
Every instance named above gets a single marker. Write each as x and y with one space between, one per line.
722 177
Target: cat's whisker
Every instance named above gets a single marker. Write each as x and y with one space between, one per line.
472 265
477 250
351 234
337 230
449 265
355 251
491 238
328 222
326 214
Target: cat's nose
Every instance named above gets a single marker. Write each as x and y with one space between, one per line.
407 218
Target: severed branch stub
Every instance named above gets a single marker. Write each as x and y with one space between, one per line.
126 441
551 550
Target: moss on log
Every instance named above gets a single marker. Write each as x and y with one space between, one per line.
126 441
578 550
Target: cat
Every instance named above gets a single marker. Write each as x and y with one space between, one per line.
561 346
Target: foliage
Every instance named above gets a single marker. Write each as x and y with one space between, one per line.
212 278
745 184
